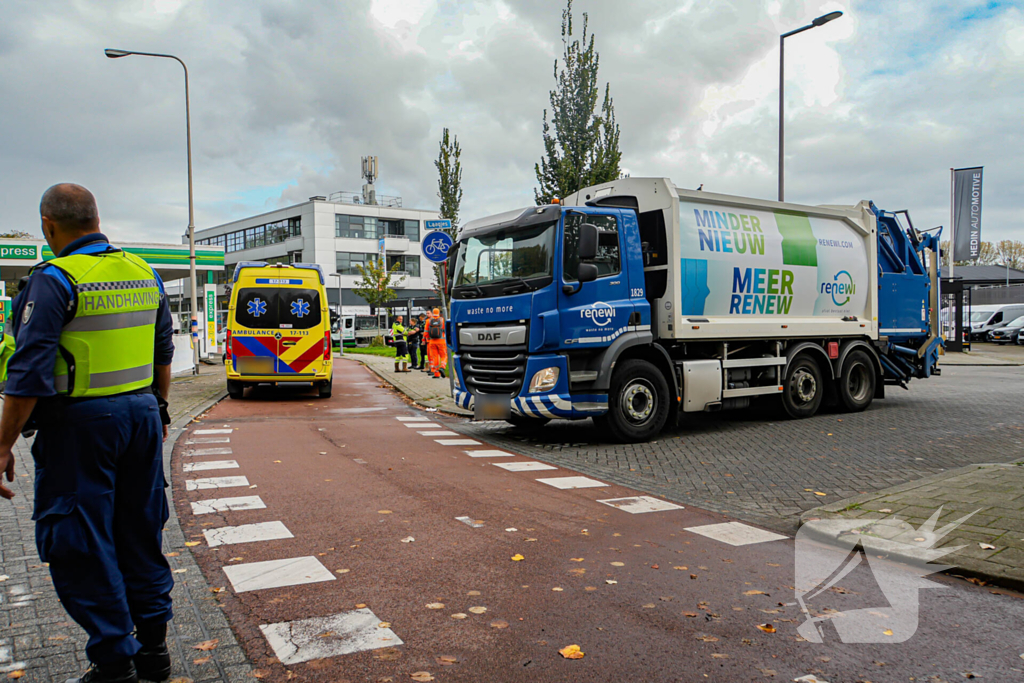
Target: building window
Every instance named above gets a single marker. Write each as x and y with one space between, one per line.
358 227
259 236
412 230
348 262
406 264
395 227
277 259
295 256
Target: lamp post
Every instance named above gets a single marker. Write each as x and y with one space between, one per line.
820 21
193 314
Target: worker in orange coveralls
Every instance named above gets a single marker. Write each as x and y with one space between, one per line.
437 350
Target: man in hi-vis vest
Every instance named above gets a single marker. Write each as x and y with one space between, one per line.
94 339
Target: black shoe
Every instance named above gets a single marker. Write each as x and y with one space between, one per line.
153 661
111 673
443 375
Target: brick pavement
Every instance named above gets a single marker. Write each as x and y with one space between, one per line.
419 386
37 636
992 539
757 466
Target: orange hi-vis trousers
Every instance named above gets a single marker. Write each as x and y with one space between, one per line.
437 356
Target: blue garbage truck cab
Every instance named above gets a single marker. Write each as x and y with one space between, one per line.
635 301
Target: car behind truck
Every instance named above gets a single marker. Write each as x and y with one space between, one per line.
634 301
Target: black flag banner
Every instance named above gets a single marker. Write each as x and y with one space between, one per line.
966 213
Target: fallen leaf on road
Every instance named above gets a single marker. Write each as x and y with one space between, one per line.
808 490
575 559
446 660
16 674
511 528
706 638
435 605
190 544
408 539
649 605
459 615
718 656
383 512
754 592
342 571
421 676
611 581
518 558
773 564
617 564
477 610
689 614
472 592
557 589
887 632
767 628
206 645
499 623
165 555
201 660
693 576
179 571
885 510
360 605
530 540
235 559
580 571
217 590
278 462
986 546
768 672
571 652
819 493
590 588
809 678
682 569
654 566
388 654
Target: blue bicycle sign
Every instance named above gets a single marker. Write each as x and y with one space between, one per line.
436 245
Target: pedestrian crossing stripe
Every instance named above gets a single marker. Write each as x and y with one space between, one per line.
457 442
572 482
736 533
209 465
322 637
213 431
215 483
292 571
640 504
205 507
246 533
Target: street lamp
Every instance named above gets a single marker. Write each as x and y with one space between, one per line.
820 21
193 314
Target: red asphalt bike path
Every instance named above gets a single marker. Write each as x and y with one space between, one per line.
683 607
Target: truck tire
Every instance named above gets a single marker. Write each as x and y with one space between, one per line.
803 388
857 382
527 422
235 389
638 402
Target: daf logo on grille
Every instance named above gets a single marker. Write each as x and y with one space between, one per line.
488 336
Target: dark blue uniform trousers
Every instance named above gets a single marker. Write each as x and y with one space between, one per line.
100 508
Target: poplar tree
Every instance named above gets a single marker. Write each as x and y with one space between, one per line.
449 189
581 145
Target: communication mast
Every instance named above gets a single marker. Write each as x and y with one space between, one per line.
369 175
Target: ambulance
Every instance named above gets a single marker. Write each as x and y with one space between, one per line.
279 328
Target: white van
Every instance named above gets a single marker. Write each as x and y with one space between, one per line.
986 318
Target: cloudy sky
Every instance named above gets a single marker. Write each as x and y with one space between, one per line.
288 94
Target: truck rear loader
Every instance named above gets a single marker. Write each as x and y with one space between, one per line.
634 302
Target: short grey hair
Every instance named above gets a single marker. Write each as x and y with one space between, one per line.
69 205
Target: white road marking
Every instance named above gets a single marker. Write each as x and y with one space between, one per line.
529 466
213 431
359 460
208 451
412 419
457 442
246 533
423 425
639 504
470 522
204 507
736 533
572 482
294 571
489 454
321 637
439 432
215 483
210 465
212 439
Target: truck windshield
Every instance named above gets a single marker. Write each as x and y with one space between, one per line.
491 265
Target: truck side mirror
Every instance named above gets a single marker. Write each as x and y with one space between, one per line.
587 244
587 272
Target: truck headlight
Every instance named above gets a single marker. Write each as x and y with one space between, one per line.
544 380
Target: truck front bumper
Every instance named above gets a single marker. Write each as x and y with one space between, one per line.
558 403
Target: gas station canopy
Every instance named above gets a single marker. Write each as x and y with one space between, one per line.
170 261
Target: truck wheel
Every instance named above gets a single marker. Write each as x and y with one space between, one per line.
235 389
527 422
638 403
857 382
803 389
325 388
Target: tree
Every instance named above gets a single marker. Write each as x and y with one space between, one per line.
581 148
1011 253
15 235
449 190
987 255
375 284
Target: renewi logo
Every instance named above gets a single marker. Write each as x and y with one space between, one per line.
600 313
842 286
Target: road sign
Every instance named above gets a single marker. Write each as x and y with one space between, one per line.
436 245
442 224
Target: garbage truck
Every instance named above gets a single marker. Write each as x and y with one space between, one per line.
635 302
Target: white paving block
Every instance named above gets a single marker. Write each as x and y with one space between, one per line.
215 483
572 482
213 431
530 466
736 533
208 451
422 425
205 507
210 465
457 442
211 439
412 419
294 571
640 504
246 533
439 432
489 454
322 637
